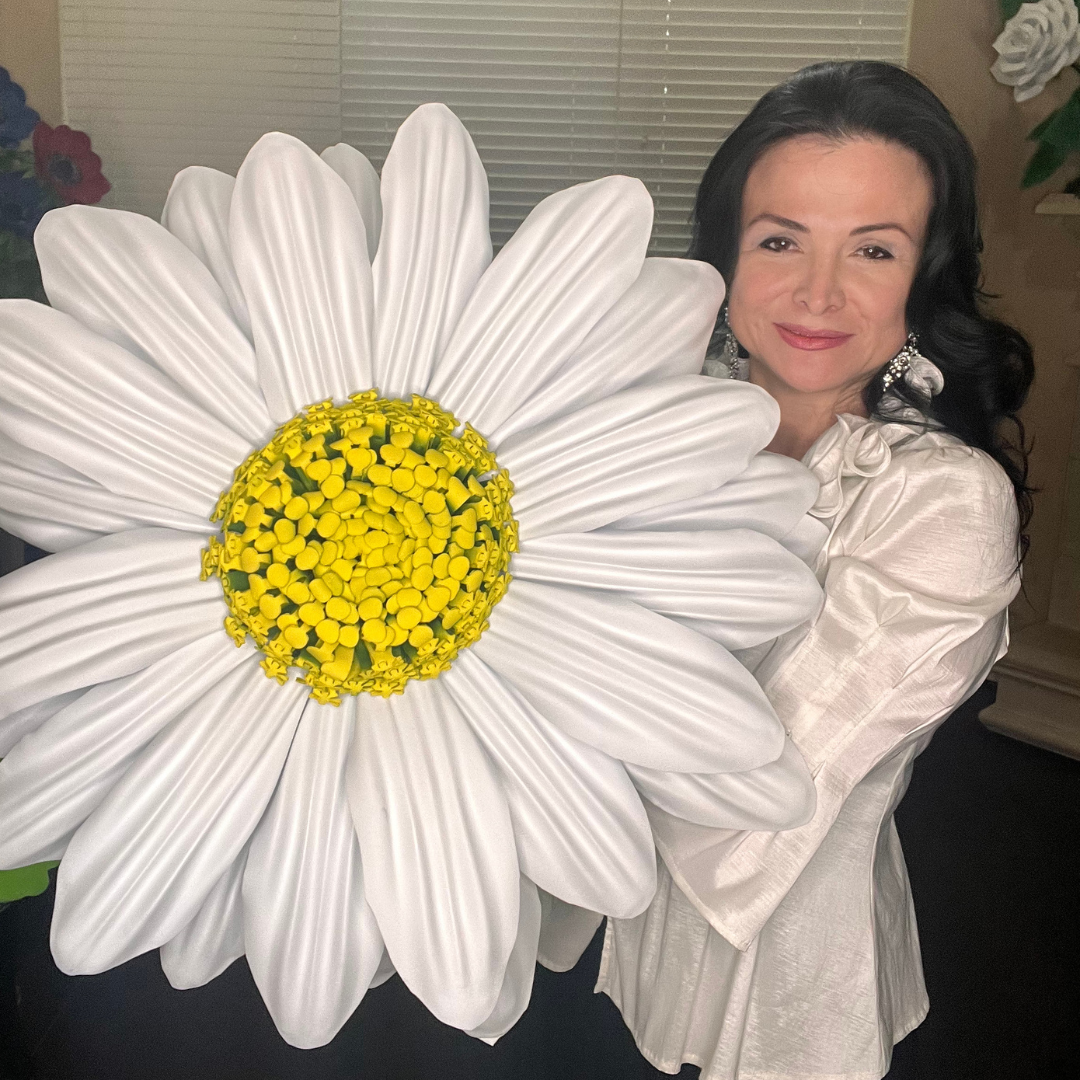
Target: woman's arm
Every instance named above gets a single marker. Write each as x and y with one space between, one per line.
920 574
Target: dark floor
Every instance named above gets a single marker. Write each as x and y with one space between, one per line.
991 829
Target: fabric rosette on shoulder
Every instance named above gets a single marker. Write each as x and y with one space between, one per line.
485 539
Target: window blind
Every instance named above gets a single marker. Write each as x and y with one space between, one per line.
554 93
162 84
561 92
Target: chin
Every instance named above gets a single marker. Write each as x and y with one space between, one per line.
811 376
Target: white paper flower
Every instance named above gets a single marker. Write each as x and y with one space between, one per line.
206 809
924 377
1037 42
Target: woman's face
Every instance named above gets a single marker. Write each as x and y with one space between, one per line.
831 237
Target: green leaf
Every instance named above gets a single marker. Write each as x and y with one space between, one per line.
1010 7
15 248
1044 163
17 161
1036 133
1061 129
26 881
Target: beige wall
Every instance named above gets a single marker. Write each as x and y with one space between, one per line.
30 50
1032 262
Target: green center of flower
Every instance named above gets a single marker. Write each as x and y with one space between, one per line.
365 544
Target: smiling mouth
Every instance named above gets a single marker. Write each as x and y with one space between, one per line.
802 337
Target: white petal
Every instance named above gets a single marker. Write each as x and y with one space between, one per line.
63 503
17 725
630 682
580 828
780 795
658 328
636 449
571 259
197 212
312 942
213 939
384 971
433 248
771 495
69 393
101 611
142 865
807 538
363 181
565 932
518 980
438 850
130 280
300 250
736 586
56 777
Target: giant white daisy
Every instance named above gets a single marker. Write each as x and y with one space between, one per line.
337 736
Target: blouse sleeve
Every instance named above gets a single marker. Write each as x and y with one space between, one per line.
921 571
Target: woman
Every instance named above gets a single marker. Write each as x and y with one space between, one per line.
842 214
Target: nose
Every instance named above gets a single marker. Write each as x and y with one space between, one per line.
820 290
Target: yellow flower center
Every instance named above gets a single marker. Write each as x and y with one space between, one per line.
365 544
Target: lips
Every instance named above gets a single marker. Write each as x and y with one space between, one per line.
811 340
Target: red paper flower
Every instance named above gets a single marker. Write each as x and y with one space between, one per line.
64 162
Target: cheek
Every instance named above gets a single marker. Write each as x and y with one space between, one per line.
758 280
881 297
755 295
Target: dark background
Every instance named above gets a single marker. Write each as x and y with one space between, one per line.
991 832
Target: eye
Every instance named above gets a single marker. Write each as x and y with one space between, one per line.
777 243
875 251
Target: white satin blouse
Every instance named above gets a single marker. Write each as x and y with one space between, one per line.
795 954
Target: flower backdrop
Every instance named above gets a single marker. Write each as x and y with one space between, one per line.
485 541
1038 42
59 169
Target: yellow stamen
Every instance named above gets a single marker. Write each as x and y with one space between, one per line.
365 544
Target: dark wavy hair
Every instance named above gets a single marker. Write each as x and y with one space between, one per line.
987 364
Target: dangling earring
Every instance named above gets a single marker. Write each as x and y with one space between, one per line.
725 347
921 376
900 363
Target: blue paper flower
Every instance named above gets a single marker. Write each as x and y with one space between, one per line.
17 119
21 204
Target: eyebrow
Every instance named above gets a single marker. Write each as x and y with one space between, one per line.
795 226
784 222
880 228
